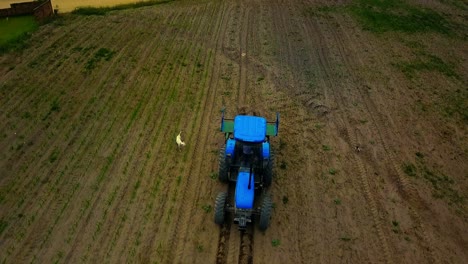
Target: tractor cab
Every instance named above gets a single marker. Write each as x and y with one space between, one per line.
247 148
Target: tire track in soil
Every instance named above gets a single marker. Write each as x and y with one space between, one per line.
63 38
126 229
405 187
352 139
286 81
143 253
241 244
223 239
178 241
37 133
199 29
164 169
326 67
238 247
99 180
234 242
50 68
160 82
222 250
244 54
161 139
245 255
232 236
77 185
40 131
51 198
407 190
295 55
106 102
128 196
246 245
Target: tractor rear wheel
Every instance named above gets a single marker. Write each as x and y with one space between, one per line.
265 213
223 165
219 208
268 172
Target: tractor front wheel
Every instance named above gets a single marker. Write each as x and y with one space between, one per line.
268 173
223 166
265 213
219 208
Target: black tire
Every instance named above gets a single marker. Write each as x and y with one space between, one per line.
219 208
268 172
223 174
265 213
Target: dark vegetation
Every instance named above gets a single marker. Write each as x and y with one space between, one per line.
101 54
14 32
395 15
89 11
443 186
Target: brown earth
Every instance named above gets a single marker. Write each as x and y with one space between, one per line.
371 160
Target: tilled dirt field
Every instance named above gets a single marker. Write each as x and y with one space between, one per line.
371 155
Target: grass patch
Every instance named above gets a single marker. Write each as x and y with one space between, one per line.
226 78
200 248
214 175
456 104
179 180
14 32
332 171
321 10
54 107
53 156
207 208
442 185
3 225
462 5
275 242
427 63
395 227
99 11
101 54
283 165
282 145
453 103
409 169
345 238
326 147
395 15
419 155
26 115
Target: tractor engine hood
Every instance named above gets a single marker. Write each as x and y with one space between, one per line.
244 196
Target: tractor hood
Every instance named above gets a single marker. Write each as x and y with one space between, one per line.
244 196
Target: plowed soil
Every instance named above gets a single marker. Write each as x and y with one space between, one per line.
371 156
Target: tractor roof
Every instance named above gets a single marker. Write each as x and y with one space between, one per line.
250 128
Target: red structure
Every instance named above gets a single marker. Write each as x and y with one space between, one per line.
39 9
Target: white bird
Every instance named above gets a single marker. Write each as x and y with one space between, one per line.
179 141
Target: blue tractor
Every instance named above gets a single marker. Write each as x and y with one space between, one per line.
246 164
